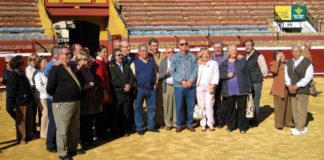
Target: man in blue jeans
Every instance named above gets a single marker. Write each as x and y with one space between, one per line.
184 72
144 70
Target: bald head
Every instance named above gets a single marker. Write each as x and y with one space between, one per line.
125 47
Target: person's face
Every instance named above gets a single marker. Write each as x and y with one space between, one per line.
169 53
77 49
119 57
21 67
205 56
83 62
104 53
296 52
183 45
65 57
232 51
43 64
154 47
7 65
143 53
248 47
281 57
32 60
125 47
218 48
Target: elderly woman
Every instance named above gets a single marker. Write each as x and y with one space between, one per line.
236 87
90 103
40 81
281 100
20 95
207 80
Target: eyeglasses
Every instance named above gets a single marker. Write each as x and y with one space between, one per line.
143 50
183 44
170 52
119 55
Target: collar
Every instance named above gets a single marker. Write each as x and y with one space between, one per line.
299 59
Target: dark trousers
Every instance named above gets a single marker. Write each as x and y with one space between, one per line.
219 109
51 132
102 122
122 122
236 112
86 133
11 111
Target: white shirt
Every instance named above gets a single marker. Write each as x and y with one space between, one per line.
208 73
41 83
170 79
29 73
308 75
261 62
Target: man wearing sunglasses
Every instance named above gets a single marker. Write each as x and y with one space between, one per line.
184 72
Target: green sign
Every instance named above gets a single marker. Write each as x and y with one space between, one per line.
298 13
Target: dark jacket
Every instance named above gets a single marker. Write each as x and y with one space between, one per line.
6 74
298 73
61 85
129 59
254 67
119 79
242 74
19 92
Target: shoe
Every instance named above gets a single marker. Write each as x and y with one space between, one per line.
154 130
203 129
242 132
65 158
51 150
78 152
296 133
168 128
141 132
191 129
211 128
178 130
293 130
304 131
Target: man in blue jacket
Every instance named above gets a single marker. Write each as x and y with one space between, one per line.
184 72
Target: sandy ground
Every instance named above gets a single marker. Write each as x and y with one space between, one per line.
264 142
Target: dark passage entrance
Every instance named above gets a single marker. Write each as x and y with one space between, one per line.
85 33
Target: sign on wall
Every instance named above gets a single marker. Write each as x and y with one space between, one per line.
290 13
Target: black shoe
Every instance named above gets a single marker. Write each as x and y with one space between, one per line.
65 158
78 152
141 132
51 150
154 130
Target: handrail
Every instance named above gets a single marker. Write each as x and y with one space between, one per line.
40 45
121 17
312 20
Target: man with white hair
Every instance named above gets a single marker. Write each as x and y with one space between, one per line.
299 73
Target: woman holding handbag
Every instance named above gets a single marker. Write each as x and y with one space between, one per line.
236 87
207 81
281 100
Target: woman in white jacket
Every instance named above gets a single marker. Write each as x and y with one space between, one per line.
40 81
208 76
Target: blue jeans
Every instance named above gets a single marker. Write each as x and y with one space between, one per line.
185 96
51 131
149 96
257 87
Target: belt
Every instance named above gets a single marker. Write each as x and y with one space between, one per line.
169 84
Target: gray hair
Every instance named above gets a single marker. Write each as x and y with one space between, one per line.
141 46
55 50
296 46
218 42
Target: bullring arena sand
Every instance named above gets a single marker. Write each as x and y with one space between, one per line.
264 142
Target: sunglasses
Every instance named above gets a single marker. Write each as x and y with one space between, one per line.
183 44
119 55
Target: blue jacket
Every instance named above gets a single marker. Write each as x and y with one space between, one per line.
48 67
184 68
242 73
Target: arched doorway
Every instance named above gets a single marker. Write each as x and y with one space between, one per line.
86 34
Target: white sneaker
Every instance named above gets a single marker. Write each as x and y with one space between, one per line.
293 129
304 131
296 133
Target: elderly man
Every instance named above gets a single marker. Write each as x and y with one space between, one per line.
184 73
144 70
75 48
128 57
259 69
299 73
169 108
155 54
219 56
65 90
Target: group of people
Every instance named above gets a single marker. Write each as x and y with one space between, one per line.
76 92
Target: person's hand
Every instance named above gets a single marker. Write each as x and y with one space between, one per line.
239 56
127 88
155 86
106 98
292 89
189 84
168 71
212 89
57 63
230 75
91 84
184 83
1 79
